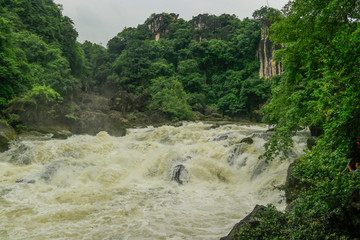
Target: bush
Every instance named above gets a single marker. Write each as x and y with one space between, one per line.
169 96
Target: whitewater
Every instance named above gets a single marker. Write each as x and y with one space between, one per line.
194 181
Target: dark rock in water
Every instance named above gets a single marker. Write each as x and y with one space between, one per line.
179 174
20 154
260 168
236 151
253 219
23 180
46 174
7 133
247 140
50 170
62 134
263 135
221 138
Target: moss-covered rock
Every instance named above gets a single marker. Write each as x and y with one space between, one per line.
7 133
262 223
247 140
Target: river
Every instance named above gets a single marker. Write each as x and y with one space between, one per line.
194 181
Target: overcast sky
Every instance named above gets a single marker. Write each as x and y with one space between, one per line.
100 20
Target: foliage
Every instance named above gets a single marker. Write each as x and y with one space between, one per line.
267 15
215 63
37 45
319 89
98 68
271 226
42 94
213 58
169 96
71 116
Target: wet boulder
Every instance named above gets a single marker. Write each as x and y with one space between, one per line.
46 174
50 170
253 220
20 154
247 140
7 133
62 134
179 174
236 151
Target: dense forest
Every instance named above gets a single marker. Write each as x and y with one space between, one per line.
207 62
319 88
210 62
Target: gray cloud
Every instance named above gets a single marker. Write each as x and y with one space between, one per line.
99 21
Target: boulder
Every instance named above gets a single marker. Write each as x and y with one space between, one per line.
221 137
90 122
7 133
293 185
62 134
253 219
179 174
247 140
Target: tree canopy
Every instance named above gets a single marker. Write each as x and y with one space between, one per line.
208 55
38 46
320 89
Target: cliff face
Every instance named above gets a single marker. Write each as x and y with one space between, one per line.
268 66
204 25
158 23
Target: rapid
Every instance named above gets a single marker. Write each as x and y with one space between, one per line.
194 181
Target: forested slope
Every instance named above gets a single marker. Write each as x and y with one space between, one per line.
320 88
207 61
206 64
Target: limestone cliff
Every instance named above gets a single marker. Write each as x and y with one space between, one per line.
157 23
205 25
268 66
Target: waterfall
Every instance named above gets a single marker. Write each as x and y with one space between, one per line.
188 182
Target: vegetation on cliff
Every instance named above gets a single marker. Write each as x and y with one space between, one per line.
320 89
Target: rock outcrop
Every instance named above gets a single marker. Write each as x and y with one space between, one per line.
251 220
292 187
158 23
268 66
87 113
7 133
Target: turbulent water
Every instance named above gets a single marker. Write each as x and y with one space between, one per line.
190 182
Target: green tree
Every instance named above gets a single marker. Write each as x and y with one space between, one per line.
13 66
169 96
